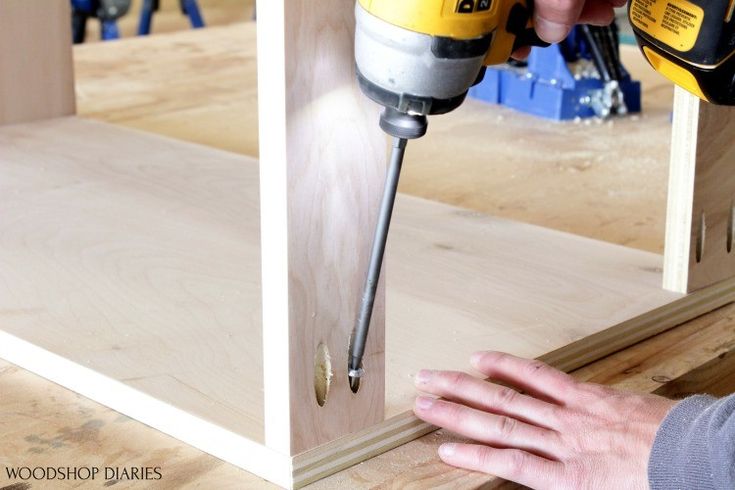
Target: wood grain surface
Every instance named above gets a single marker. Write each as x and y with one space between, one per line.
700 235
124 263
322 168
198 86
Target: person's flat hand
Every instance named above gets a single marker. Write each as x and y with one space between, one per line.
557 434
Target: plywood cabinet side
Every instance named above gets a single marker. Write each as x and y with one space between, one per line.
322 170
36 72
700 246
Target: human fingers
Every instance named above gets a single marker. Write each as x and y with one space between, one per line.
510 464
532 376
489 397
553 19
496 430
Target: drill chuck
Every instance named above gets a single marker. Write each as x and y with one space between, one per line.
401 125
413 72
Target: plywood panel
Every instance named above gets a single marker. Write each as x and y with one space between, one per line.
323 165
135 264
36 73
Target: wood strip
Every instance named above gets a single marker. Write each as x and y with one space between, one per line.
700 247
323 168
36 72
351 450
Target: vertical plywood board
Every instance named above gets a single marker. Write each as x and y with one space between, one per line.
322 170
36 73
699 230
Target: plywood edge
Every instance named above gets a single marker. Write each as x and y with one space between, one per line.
635 330
220 443
679 209
700 216
350 450
338 455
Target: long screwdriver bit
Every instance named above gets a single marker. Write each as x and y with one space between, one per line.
380 238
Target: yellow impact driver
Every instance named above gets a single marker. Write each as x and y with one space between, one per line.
691 42
419 58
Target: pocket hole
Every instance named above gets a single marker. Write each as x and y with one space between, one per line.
322 374
700 237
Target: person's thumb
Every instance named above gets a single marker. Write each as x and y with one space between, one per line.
553 19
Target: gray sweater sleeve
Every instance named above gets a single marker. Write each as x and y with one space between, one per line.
695 446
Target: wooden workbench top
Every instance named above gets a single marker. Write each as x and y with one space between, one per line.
605 180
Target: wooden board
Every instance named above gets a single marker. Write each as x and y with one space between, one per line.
198 86
147 260
36 77
321 179
700 234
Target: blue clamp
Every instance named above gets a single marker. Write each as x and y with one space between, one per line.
560 82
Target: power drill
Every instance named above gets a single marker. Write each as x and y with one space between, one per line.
419 58
691 42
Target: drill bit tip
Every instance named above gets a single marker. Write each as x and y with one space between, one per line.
354 384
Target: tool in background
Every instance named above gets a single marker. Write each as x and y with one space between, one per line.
691 42
190 8
107 11
581 77
419 58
